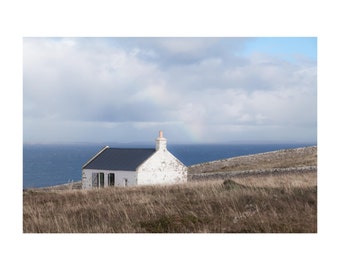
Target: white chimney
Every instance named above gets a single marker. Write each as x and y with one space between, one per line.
160 142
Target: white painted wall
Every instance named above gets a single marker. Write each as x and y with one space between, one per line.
120 177
161 168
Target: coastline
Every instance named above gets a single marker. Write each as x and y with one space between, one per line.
285 161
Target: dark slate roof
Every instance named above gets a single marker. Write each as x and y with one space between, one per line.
121 159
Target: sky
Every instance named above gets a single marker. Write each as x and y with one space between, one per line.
197 90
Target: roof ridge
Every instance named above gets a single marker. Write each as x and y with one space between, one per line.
134 148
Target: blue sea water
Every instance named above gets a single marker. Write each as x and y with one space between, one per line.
48 165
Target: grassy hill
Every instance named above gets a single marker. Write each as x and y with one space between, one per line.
276 201
287 158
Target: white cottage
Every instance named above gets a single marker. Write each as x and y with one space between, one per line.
131 167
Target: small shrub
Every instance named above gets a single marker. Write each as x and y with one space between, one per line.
230 184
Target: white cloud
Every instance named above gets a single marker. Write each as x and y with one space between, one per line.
117 86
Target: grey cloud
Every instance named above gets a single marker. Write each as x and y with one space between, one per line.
167 52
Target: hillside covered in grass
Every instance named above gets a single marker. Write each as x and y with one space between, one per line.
213 206
273 202
287 158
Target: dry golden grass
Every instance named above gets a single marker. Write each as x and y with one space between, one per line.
282 203
280 180
287 158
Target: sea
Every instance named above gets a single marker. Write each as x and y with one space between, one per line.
51 164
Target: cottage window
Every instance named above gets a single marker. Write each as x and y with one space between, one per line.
95 179
101 180
111 179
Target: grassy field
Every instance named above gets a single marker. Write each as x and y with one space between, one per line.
282 203
287 158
